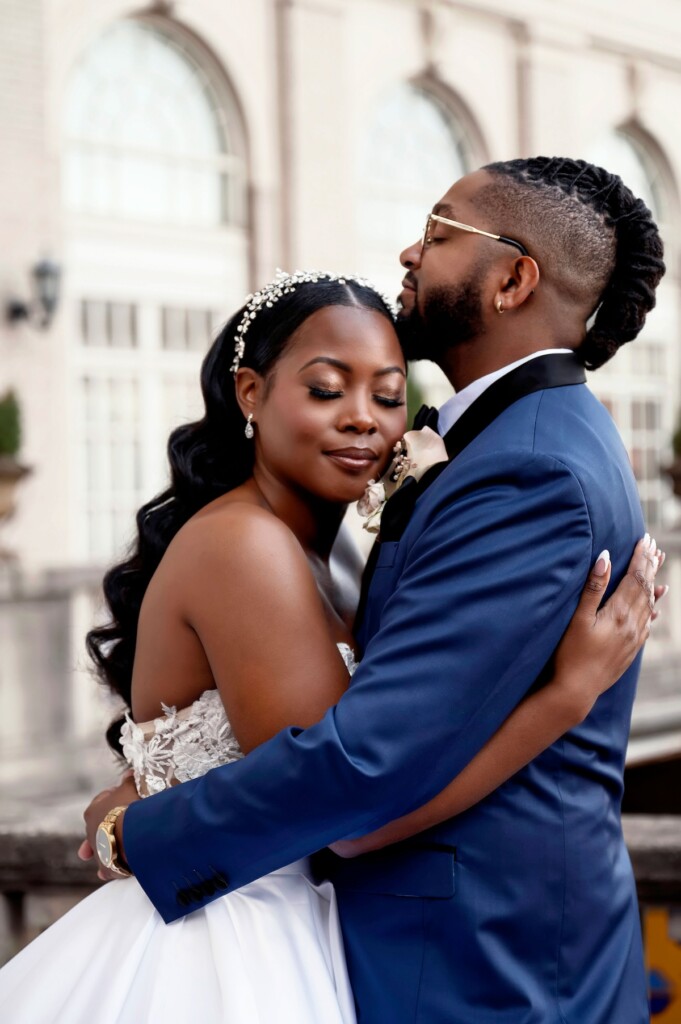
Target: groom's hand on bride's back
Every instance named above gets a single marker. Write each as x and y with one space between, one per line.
602 640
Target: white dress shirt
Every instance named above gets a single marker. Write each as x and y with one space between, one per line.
456 406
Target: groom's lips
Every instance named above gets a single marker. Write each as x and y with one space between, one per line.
356 459
408 293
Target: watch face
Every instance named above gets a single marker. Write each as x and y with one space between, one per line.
103 847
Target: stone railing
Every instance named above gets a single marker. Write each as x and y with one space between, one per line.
41 876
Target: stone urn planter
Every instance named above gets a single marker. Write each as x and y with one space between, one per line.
11 474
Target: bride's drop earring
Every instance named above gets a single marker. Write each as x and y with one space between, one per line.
248 429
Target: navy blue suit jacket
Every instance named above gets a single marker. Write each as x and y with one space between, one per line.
523 909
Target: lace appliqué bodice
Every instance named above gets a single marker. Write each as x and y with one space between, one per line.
183 745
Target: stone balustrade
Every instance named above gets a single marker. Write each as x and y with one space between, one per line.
41 876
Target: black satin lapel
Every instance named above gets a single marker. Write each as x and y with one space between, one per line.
366 581
551 371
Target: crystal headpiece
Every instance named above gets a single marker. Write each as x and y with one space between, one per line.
284 284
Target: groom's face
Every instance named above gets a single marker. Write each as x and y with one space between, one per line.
443 290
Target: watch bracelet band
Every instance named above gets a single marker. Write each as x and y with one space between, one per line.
118 864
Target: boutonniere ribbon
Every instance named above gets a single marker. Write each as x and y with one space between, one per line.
415 453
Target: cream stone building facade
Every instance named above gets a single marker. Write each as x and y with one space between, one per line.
170 157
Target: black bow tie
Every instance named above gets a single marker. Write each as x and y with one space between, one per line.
427 416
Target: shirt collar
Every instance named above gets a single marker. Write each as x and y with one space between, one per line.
456 406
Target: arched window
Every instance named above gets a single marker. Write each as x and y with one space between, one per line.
147 137
626 155
414 148
154 184
639 385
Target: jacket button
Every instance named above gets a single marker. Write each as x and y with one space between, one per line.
195 893
222 881
208 887
183 898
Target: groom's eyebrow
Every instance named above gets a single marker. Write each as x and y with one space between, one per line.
445 210
329 361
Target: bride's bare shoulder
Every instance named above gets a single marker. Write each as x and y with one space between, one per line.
234 535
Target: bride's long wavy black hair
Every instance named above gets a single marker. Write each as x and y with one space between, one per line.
207 458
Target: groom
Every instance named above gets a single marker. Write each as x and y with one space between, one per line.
523 909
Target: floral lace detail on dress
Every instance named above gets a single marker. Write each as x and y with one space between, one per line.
180 746
348 656
183 745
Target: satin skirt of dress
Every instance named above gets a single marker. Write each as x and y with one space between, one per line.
270 953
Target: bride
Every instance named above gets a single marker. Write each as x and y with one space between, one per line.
212 663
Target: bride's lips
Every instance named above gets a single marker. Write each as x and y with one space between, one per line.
356 459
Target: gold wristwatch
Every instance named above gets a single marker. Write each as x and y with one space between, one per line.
107 849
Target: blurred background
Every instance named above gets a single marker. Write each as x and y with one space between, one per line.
160 162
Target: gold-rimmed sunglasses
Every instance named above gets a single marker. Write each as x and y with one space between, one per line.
425 241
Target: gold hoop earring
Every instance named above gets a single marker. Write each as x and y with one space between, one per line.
500 306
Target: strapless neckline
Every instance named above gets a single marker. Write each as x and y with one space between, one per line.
178 746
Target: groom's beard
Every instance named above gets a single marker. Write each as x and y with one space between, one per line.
451 316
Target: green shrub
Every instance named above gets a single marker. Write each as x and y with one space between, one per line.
676 440
415 399
10 424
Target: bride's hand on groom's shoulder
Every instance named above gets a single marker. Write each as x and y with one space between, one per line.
602 641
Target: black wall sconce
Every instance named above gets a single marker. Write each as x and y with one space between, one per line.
45 285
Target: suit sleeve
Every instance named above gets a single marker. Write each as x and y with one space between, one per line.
486 592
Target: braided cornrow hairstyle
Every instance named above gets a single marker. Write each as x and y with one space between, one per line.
607 205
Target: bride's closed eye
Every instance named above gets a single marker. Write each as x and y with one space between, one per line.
318 392
389 401
324 394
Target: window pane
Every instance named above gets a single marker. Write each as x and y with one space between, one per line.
198 329
111 453
145 136
123 333
174 329
414 150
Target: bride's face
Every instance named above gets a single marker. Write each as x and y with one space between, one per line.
334 405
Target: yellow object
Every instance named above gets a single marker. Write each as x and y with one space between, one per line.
663 964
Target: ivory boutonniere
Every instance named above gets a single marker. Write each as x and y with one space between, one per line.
415 453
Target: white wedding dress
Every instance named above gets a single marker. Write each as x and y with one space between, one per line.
269 953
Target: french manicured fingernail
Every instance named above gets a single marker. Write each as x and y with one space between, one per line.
653 545
646 540
664 592
602 563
